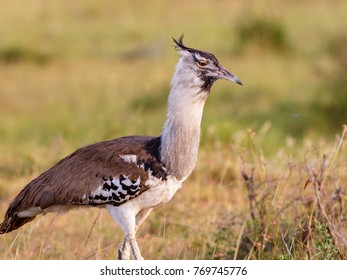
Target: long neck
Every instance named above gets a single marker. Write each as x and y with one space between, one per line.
181 135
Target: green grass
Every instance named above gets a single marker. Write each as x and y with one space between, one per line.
73 73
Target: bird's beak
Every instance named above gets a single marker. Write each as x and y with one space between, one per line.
226 75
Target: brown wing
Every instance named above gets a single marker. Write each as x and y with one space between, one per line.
110 172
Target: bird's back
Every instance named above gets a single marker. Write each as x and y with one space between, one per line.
109 172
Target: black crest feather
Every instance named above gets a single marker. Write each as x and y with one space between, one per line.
181 46
179 43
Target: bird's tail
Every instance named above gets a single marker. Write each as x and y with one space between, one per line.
14 222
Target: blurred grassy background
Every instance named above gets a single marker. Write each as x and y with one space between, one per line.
77 72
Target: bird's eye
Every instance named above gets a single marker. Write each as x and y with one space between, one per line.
202 63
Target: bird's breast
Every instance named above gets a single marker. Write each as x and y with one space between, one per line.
160 192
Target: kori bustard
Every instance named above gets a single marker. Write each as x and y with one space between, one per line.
129 176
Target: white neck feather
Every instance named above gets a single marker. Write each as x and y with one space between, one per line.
181 135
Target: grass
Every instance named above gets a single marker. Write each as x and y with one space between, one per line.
271 174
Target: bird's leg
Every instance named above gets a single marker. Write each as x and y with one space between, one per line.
124 247
135 250
141 216
124 250
126 218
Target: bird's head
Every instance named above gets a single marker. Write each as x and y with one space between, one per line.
202 68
